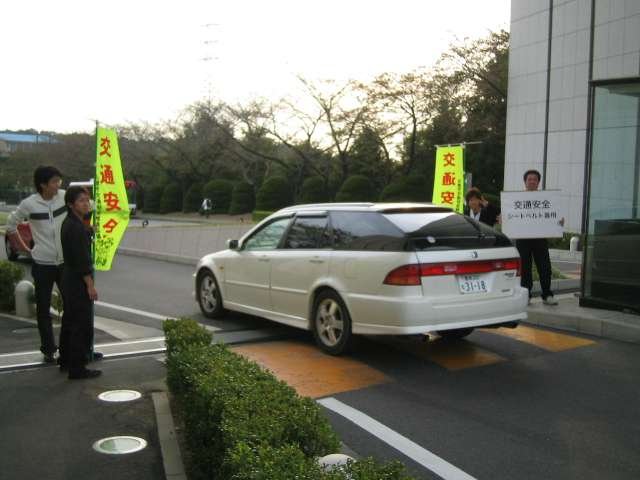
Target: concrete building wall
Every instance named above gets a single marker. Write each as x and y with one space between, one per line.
616 54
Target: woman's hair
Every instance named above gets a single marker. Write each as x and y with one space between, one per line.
72 194
43 174
473 192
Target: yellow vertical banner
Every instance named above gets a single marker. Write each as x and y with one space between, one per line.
112 207
448 183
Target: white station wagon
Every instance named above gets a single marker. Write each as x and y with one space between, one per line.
343 269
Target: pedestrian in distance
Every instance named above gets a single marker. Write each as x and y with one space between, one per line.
536 249
206 207
480 209
45 211
78 289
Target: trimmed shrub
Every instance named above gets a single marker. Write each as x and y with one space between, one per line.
227 399
193 198
10 275
314 191
152 198
356 188
219 191
242 199
274 194
171 200
407 189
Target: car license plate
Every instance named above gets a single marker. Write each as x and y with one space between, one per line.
472 284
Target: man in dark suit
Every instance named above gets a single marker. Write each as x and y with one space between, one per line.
480 209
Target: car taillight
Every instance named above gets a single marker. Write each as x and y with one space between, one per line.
411 274
405 275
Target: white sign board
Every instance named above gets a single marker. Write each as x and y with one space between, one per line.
531 214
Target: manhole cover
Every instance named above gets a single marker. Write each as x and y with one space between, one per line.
119 396
119 445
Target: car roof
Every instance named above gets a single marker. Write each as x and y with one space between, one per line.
398 207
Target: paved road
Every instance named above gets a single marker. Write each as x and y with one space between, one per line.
525 403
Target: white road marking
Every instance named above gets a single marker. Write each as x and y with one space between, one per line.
409 448
155 316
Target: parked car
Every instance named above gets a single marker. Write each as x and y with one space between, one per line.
12 245
363 268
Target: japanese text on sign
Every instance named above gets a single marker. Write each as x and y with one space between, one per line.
532 214
449 178
112 207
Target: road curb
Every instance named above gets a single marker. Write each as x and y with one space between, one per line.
165 257
171 456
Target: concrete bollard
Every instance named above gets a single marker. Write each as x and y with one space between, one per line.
574 243
24 294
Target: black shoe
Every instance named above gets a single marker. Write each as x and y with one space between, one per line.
86 373
97 356
48 358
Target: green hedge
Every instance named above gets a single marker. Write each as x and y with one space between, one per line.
406 189
171 200
274 194
219 191
564 242
10 275
314 190
356 188
242 199
152 198
243 423
259 215
192 199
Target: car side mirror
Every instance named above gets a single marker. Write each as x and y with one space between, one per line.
232 244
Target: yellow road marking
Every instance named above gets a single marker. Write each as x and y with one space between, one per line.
551 341
450 355
309 371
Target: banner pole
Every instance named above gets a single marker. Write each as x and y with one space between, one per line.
94 223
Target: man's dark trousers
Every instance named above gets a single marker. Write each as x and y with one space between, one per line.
539 250
44 276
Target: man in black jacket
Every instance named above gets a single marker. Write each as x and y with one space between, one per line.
480 209
78 289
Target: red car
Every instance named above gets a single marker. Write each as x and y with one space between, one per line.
12 245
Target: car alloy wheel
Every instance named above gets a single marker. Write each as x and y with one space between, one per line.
332 323
209 297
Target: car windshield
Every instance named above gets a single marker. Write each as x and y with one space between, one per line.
446 231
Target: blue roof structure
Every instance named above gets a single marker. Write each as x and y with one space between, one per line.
26 138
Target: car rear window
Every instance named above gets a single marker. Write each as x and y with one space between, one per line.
368 231
446 231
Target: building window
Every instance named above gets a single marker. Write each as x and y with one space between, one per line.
612 263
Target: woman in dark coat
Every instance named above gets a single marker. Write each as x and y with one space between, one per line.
78 289
480 209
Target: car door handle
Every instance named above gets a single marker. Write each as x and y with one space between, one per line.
316 260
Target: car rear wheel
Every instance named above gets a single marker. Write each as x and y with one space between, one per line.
11 254
331 323
455 334
209 296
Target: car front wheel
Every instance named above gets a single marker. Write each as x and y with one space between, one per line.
331 323
11 254
209 296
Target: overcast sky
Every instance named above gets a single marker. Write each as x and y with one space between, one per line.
66 62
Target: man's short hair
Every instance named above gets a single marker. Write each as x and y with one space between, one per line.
531 172
72 194
43 174
473 193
